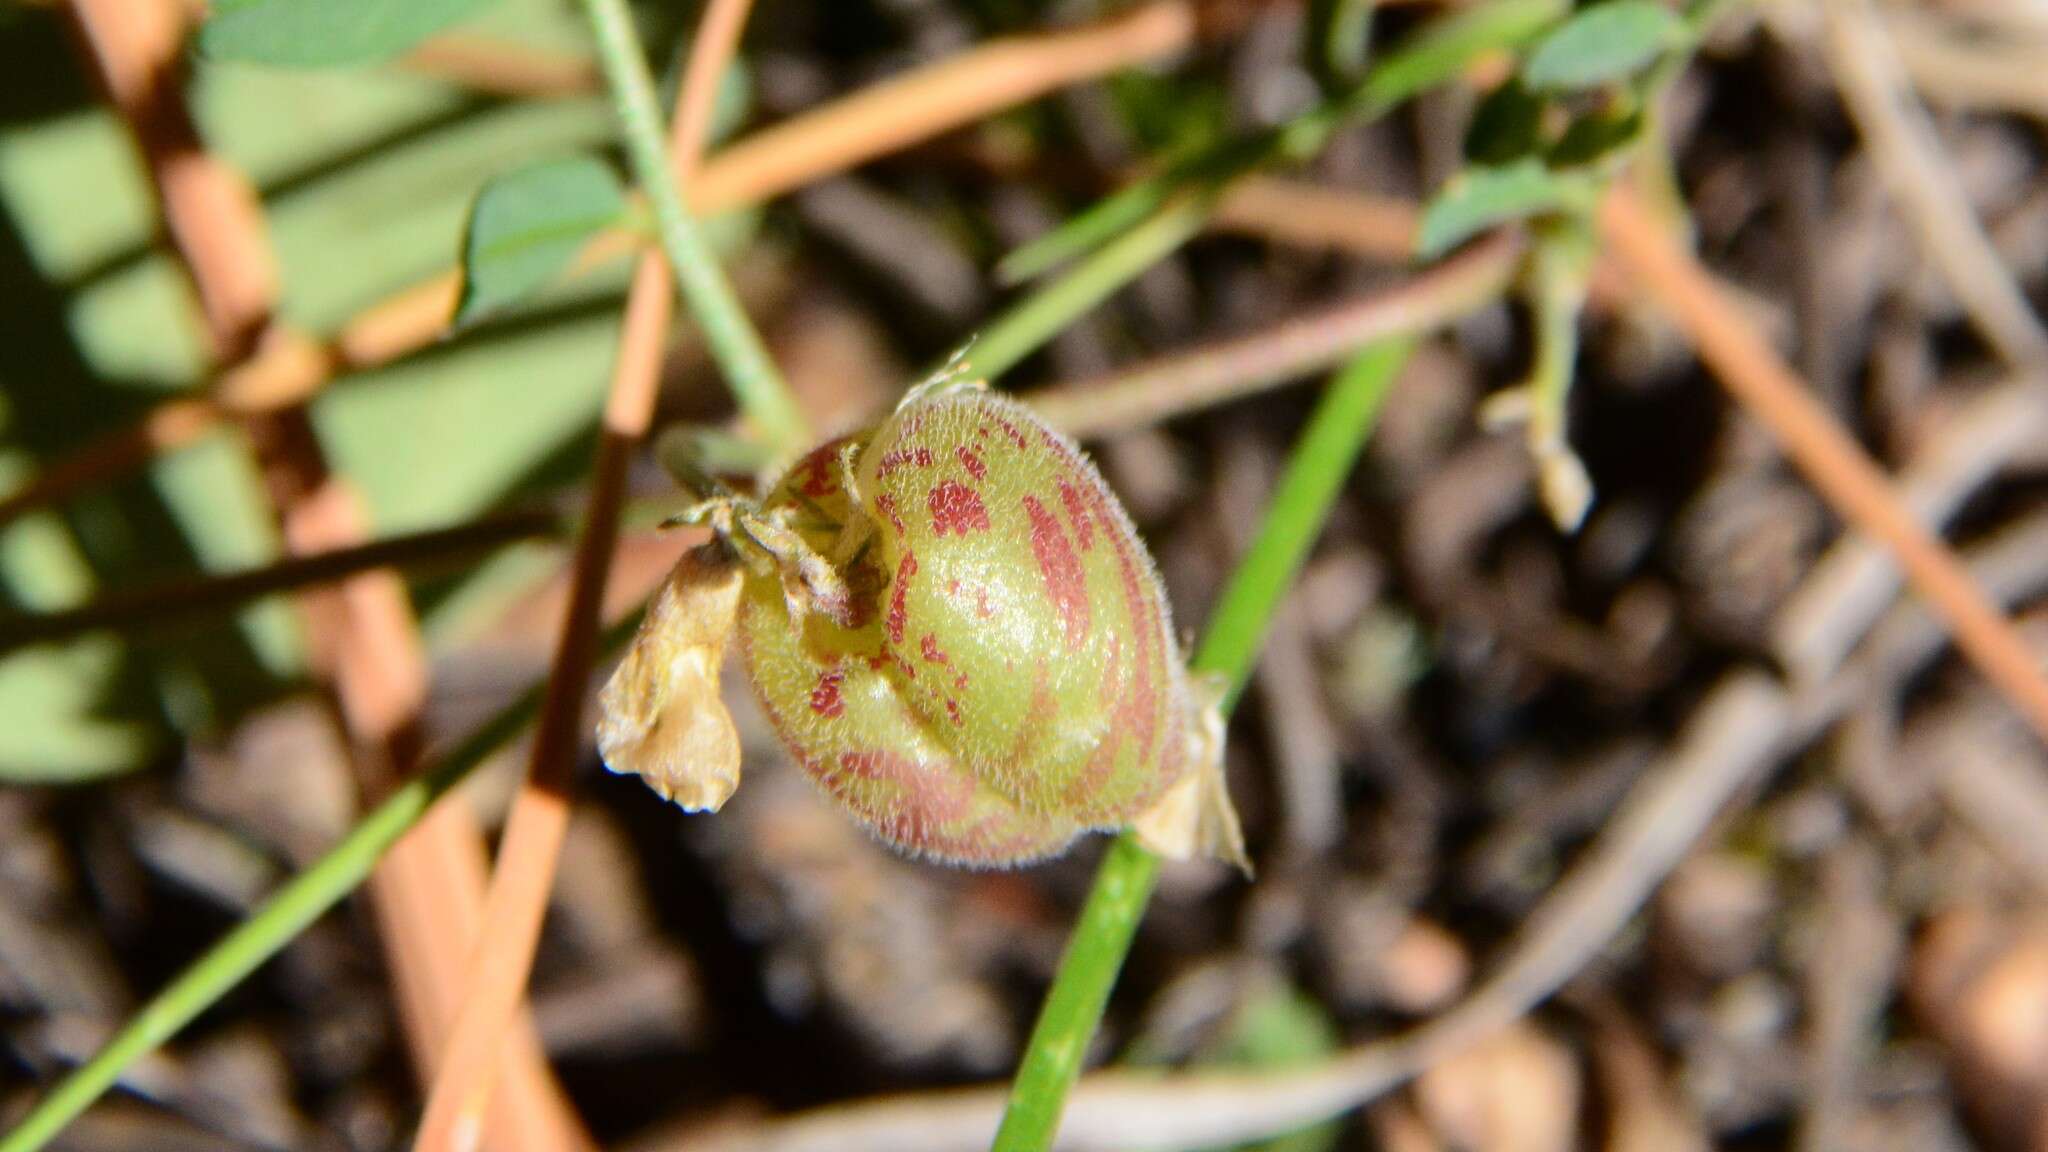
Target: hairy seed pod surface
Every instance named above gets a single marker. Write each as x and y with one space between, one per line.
955 630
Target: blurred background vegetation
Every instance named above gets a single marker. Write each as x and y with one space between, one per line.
1452 707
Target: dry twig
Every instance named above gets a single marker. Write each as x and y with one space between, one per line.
539 818
1169 385
499 68
541 810
1853 584
886 117
181 598
1307 216
1837 467
1980 72
362 634
1902 142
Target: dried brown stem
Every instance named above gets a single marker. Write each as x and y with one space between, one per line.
891 115
197 597
362 635
1921 177
498 68
1171 385
1836 465
1857 579
1956 70
540 812
935 99
1307 216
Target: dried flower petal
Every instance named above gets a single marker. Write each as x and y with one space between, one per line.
661 716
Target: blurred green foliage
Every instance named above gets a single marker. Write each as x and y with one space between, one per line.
321 33
1480 198
1602 44
527 226
367 178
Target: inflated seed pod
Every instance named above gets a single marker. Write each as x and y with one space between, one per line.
952 625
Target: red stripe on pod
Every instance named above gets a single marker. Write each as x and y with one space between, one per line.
971 462
825 699
899 610
886 505
1077 511
1065 583
956 509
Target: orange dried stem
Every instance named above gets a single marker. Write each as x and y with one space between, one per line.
499 68
889 116
1838 468
540 812
362 634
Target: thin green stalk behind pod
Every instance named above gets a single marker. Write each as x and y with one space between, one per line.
1308 487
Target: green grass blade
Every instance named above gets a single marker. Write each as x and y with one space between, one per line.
265 933
1067 1019
1036 319
1316 471
1447 45
1206 170
1088 229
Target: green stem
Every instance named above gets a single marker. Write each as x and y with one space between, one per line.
1079 993
1036 319
1315 472
1308 487
755 382
287 913
1434 54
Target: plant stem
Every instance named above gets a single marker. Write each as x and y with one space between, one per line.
1747 366
1039 317
182 599
1208 375
1308 487
1079 993
287 913
1315 472
755 382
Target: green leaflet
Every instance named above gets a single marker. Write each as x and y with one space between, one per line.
1479 198
324 33
528 225
1602 44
